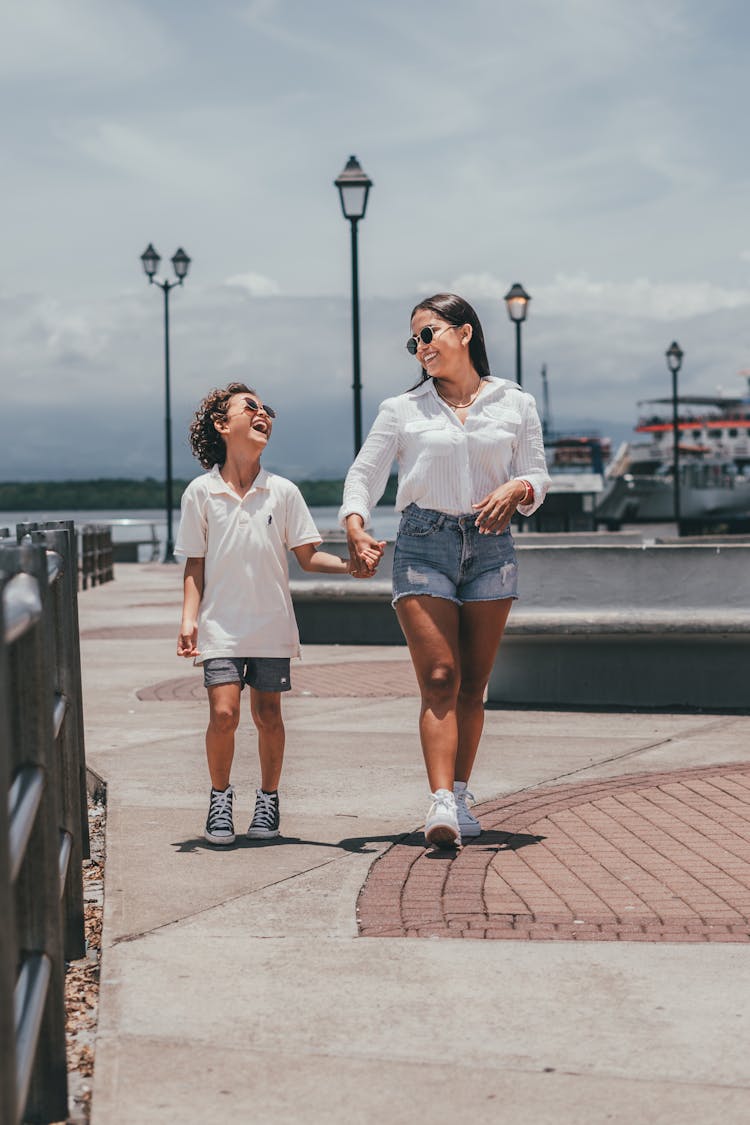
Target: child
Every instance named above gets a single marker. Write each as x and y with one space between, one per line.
237 618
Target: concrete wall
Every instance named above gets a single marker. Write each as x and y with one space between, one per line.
653 625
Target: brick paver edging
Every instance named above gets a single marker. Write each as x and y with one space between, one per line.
646 857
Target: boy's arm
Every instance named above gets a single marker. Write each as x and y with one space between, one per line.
187 641
321 562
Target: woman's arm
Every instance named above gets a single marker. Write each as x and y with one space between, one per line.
192 592
366 480
529 463
364 485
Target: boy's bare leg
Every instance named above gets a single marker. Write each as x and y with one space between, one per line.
266 711
224 717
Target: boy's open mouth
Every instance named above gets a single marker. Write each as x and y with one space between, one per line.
261 426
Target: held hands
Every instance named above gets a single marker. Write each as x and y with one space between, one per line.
365 552
496 510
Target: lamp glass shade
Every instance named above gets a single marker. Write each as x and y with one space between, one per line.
674 354
181 263
354 187
150 260
517 302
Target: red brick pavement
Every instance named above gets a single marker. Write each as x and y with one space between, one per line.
372 679
648 857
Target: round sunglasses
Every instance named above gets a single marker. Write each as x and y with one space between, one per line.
426 335
254 407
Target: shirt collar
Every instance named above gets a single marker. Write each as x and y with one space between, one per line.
217 484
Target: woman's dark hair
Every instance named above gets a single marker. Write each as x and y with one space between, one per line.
455 310
205 440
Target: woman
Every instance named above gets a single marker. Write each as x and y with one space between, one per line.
470 452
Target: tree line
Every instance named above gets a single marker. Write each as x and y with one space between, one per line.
117 494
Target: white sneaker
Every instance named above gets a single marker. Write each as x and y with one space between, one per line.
467 822
441 827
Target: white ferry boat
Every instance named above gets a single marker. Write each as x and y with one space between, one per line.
714 459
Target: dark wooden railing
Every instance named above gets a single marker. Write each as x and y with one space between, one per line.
96 555
43 815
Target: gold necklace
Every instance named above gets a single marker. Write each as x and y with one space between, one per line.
458 405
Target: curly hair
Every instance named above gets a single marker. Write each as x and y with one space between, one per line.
206 442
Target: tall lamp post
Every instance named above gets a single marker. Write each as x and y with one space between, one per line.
181 264
674 354
354 187
517 303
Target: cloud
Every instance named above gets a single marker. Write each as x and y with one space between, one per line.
639 298
254 284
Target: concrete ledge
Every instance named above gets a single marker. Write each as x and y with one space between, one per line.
624 625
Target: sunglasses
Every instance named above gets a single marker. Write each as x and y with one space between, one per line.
427 335
254 407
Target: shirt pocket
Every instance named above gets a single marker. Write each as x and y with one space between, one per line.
429 437
498 424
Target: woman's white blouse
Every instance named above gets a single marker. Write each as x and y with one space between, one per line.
443 464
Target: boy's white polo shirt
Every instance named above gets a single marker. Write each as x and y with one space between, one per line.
246 607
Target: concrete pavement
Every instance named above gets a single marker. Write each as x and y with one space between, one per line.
236 985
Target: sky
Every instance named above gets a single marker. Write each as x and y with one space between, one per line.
595 151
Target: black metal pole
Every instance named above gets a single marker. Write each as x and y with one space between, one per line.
169 551
357 384
676 452
519 378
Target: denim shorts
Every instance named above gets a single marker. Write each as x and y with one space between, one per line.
264 673
445 557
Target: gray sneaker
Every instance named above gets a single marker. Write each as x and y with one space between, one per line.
219 824
265 822
467 822
441 827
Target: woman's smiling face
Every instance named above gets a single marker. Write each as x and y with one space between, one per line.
445 349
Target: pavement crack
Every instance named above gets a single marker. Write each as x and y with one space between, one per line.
232 898
622 757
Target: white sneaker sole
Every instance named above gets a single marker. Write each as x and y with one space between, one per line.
220 841
262 833
471 829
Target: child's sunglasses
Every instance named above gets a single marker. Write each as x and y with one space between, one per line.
251 404
427 335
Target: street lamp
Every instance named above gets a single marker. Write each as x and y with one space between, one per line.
674 354
181 264
517 303
354 187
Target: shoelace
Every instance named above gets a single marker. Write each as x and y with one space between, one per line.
463 795
265 810
220 812
443 800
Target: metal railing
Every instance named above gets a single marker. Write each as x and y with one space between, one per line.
43 815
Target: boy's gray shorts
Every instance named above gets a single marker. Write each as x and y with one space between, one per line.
264 673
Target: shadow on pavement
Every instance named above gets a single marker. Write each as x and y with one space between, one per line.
348 844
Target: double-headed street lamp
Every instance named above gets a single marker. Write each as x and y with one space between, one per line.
181 264
517 303
354 187
674 354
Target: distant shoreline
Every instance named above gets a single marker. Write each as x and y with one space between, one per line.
125 493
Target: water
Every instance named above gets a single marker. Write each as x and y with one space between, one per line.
132 525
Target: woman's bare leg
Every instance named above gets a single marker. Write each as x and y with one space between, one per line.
431 628
481 626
